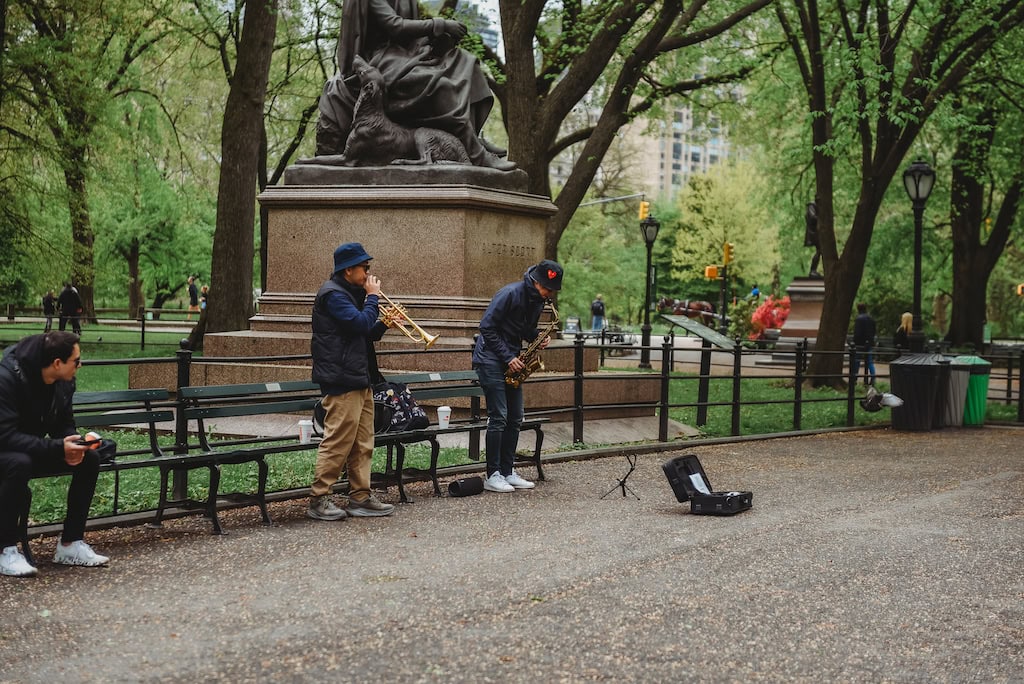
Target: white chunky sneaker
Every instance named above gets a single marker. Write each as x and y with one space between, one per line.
518 482
496 483
13 564
78 553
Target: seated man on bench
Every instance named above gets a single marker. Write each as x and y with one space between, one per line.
37 382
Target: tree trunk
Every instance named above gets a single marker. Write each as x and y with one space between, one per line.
233 250
135 295
83 273
973 261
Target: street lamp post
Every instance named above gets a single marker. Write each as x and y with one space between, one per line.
649 229
918 180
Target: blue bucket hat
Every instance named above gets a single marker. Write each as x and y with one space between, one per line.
349 254
548 273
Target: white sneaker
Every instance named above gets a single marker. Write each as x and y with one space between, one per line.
78 553
496 483
519 482
13 564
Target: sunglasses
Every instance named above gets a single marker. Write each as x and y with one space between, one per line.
77 361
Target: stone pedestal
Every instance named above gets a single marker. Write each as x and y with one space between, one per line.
806 297
440 250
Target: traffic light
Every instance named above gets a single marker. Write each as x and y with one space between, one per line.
711 272
645 210
727 253
1020 290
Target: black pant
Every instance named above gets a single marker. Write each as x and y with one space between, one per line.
76 323
15 471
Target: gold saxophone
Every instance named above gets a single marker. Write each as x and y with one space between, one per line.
531 355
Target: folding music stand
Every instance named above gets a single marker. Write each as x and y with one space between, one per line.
631 459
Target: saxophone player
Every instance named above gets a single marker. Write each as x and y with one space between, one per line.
510 320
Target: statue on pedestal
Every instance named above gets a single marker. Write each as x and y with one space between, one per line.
428 83
811 237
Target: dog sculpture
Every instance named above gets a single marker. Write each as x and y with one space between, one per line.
376 140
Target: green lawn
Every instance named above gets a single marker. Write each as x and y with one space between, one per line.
822 407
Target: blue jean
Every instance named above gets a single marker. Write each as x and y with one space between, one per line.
504 417
598 323
869 363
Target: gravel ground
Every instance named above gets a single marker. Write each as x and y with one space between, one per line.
868 557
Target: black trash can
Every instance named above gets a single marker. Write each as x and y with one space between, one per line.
916 379
941 392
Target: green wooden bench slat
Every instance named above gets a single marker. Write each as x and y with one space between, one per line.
226 391
120 396
419 393
292 406
446 376
126 417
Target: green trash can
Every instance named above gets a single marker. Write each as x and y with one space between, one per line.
977 389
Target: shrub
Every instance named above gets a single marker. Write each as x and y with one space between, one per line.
771 314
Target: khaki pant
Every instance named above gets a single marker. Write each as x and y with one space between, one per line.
347 444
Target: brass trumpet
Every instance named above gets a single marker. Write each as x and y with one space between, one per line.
392 317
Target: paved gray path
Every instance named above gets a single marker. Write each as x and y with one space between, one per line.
870 556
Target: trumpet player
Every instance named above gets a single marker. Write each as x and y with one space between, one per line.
510 320
345 326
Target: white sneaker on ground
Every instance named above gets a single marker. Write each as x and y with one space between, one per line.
519 482
13 564
496 483
78 553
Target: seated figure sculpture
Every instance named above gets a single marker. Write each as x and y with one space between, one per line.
429 82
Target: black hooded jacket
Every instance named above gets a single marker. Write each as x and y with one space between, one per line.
510 319
30 409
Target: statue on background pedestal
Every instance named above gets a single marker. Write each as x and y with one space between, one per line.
811 237
428 82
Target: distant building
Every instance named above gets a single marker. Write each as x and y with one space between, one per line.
667 152
475 19
489 35
657 156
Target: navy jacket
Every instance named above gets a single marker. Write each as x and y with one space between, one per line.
510 320
345 326
30 409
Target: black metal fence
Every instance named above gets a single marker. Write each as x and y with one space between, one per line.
22 321
687 380
696 380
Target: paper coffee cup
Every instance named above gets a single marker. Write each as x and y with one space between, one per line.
444 416
305 431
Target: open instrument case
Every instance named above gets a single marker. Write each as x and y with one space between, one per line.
690 483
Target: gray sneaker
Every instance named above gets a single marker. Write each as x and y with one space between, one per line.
323 508
370 508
